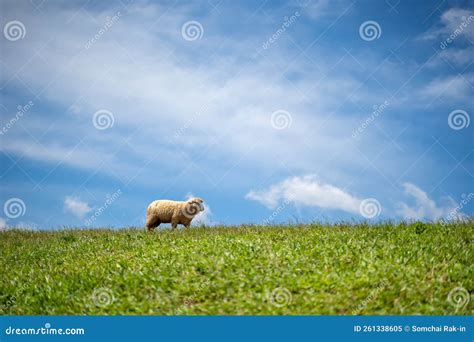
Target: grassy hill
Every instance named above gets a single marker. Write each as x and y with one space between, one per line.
302 269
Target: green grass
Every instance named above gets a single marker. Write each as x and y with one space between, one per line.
298 270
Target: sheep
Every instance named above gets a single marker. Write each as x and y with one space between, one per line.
174 212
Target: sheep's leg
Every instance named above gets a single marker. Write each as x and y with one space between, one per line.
174 224
187 226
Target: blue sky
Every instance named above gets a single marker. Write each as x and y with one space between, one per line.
270 111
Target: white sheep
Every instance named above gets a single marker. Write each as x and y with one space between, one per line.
174 212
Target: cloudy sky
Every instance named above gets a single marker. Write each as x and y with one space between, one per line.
271 111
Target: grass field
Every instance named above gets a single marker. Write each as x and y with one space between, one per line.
302 269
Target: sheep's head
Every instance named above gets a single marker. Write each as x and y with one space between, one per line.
193 206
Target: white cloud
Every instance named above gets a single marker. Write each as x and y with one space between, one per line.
318 8
453 30
307 191
22 225
424 207
76 207
452 56
204 217
153 94
29 226
456 22
451 87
